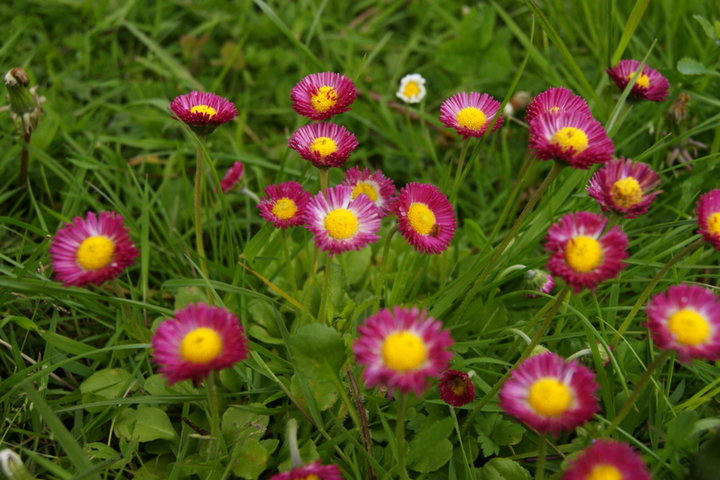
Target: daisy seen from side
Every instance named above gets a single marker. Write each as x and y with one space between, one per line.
232 177
324 144
607 460
284 204
412 88
556 100
649 84
470 114
203 111
319 96
708 216
625 187
311 471
425 217
373 184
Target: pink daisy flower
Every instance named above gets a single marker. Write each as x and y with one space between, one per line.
575 137
200 339
401 348
607 460
284 205
556 100
311 471
232 177
324 144
624 186
686 318
92 250
708 215
650 84
539 281
470 114
550 394
425 217
203 111
319 96
456 388
376 186
581 254
341 222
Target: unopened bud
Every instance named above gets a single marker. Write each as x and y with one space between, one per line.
538 350
24 102
539 281
12 466
518 101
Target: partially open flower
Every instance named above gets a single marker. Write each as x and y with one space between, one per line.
708 216
232 177
311 471
456 388
649 84
25 104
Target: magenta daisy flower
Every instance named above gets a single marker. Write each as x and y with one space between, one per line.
607 460
581 254
539 281
575 137
319 96
556 100
311 471
686 318
376 186
200 339
341 222
92 250
456 388
425 217
470 114
203 111
284 205
708 215
232 177
624 186
650 84
324 144
401 348
550 394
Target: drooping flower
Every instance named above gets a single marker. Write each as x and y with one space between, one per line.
311 471
425 217
319 96
412 88
324 144
92 250
201 338
624 186
232 177
203 111
340 222
376 186
470 114
550 394
581 254
556 100
650 84
539 281
607 460
456 388
686 318
708 216
401 348
573 137
284 205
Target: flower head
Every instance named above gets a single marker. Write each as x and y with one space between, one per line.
376 186
319 96
649 84
324 144
550 394
554 101
425 217
539 281
284 205
92 250
232 177
708 216
686 318
412 88
311 471
456 388
341 222
401 348
624 186
470 114
581 254
203 111
200 339
607 460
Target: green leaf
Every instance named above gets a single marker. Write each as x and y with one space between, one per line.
495 432
108 383
337 285
690 66
258 242
187 295
710 29
430 449
323 391
144 425
355 264
318 350
238 424
251 459
503 469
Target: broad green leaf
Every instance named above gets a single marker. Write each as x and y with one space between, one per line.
250 458
108 383
318 350
239 424
690 66
431 449
503 469
144 425
187 295
323 391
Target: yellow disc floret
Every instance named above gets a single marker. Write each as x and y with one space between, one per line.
201 345
583 254
204 109
341 224
95 252
324 99
421 218
713 224
689 327
411 89
471 118
626 192
604 471
570 138
365 188
404 351
642 80
323 146
312 476
549 397
284 208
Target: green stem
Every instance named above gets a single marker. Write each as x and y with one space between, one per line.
289 263
325 293
400 435
324 172
346 400
198 193
383 267
214 406
295 458
458 172
24 159
540 465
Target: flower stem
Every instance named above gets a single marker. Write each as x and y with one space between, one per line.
24 159
540 465
458 172
214 406
325 292
198 193
288 263
383 267
400 435
295 458
324 173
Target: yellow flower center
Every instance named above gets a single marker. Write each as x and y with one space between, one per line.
713 223
421 218
404 351
411 89
364 188
204 109
604 471
626 192
341 224
312 476
689 327
324 99
471 118
458 386
284 208
549 397
583 253
642 80
201 345
95 253
570 138
323 146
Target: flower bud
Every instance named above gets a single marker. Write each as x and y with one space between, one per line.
12 466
